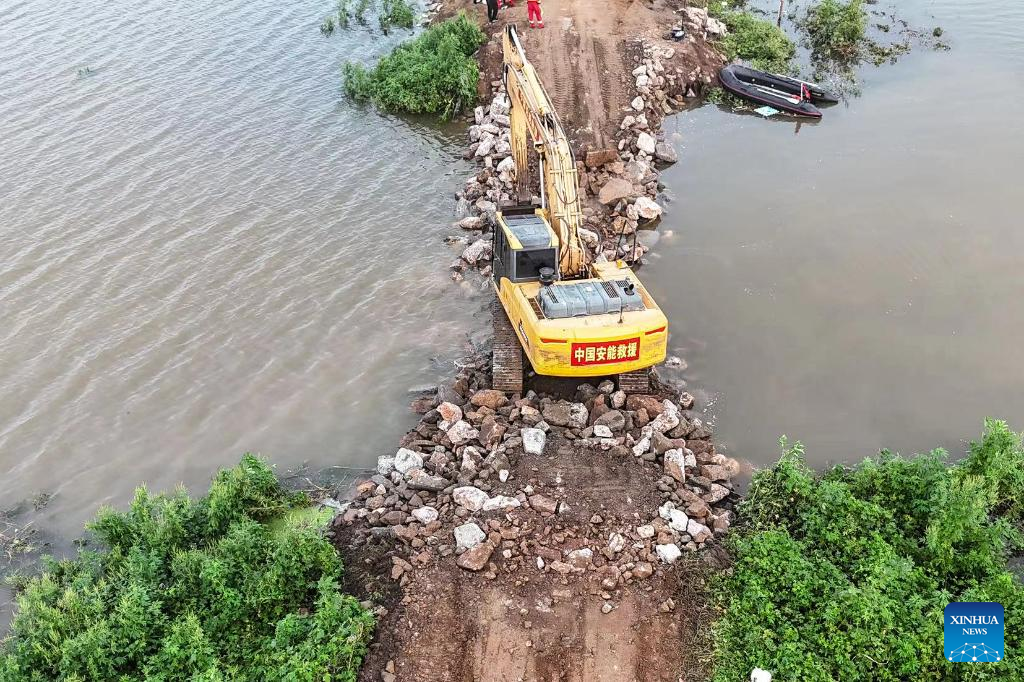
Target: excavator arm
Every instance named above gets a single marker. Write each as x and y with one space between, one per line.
533 120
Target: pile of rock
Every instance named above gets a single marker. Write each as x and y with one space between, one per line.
697 20
465 485
485 191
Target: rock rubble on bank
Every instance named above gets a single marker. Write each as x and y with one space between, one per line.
619 189
489 509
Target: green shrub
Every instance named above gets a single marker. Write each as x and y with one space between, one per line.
396 13
836 29
433 73
232 586
755 40
844 575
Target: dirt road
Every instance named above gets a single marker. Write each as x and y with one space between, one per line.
585 54
519 623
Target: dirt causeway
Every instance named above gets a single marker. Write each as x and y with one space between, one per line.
521 623
574 562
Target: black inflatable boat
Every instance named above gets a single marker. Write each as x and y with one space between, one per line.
787 94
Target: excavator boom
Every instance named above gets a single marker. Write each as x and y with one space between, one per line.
533 119
555 309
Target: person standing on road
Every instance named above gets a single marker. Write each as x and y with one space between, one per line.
492 10
533 12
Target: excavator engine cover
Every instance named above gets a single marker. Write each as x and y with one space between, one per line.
577 299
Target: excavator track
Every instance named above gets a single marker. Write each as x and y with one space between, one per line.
507 355
635 382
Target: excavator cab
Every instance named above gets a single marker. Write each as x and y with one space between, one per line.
524 246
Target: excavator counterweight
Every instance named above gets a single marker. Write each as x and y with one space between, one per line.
565 315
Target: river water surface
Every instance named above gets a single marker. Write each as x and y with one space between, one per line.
205 249
857 283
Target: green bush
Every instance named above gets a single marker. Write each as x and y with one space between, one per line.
844 575
433 73
228 587
396 13
836 29
755 40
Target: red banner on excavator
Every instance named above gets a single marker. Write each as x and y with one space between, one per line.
605 352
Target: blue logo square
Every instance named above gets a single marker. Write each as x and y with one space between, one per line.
973 632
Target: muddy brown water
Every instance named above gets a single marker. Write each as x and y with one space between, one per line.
857 283
205 249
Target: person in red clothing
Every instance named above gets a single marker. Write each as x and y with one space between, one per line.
533 12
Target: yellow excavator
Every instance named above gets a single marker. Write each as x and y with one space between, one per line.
566 316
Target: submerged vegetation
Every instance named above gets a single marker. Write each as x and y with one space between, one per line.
753 39
237 585
836 29
390 13
845 575
434 73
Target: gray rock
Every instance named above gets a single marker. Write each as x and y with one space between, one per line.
425 515
470 497
501 502
647 208
646 143
675 464
646 531
578 416
698 531
556 413
669 553
462 432
406 459
385 464
418 479
666 152
480 250
613 419
468 536
533 440
615 190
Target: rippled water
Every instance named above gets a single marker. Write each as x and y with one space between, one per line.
205 249
857 283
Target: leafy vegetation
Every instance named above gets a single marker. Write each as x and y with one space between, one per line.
753 39
844 576
433 73
344 14
233 586
362 7
390 13
836 29
396 13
